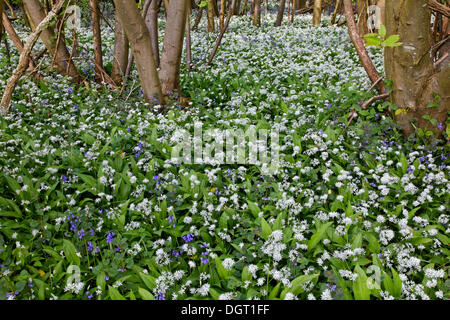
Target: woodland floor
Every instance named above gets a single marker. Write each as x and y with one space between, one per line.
87 182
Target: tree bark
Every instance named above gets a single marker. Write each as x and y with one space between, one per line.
317 14
8 27
410 68
198 18
98 57
1 23
336 10
25 57
120 52
173 47
222 14
141 44
280 13
359 46
362 18
188 38
210 12
222 32
61 56
257 13
151 20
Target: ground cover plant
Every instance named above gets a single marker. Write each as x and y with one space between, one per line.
92 207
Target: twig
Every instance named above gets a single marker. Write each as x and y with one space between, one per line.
373 99
437 7
441 59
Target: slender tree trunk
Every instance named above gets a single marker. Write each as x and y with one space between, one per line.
98 57
382 5
222 14
188 38
1 24
410 68
151 20
317 14
166 7
257 13
210 11
198 18
173 47
359 46
61 57
24 58
8 27
140 41
362 18
280 13
244 7
336 10
237 7
120 52
222 32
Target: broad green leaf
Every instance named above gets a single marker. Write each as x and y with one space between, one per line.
360 289
148 280
114 294
266 230
145 294
71 252
223 273
316 237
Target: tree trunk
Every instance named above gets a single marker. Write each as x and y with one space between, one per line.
24 58
8 27
362 18
382 5
280 13
237 7
151 20
98 58
222 32
244 7
317 12
140 41
1 24
410 67
299 4
173 47
257 13
60 54
198 18
359 46
120 52
336 9
222 14
188 38
210 12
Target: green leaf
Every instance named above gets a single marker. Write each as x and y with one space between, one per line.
382 31
114 294
246 276
145 294
223 273
392 41
316 237
360 289
266 230
253 208
274 292
296 284
148 280
278 224
397 284
70 252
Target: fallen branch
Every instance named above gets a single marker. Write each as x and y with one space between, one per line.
25 57
437 7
